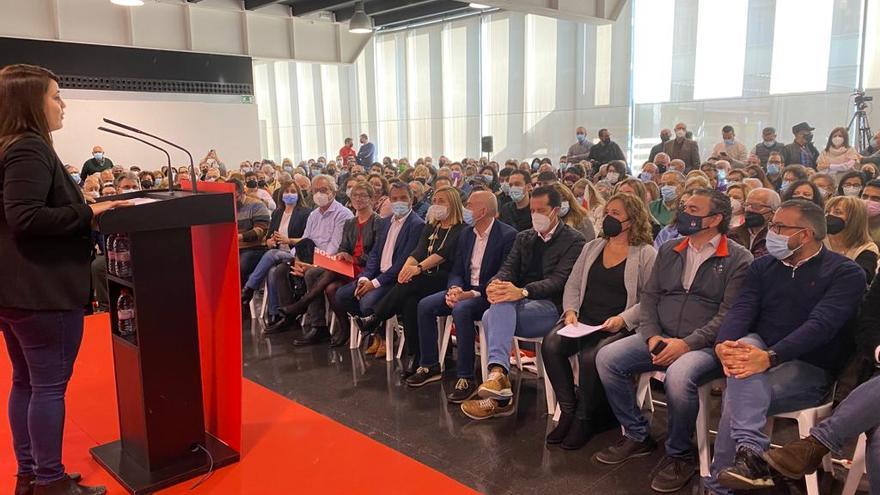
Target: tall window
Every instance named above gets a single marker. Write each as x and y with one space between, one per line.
496 67
872 46
603 65
455 97
801 46
721 49
540 77
284 107
308 110
653 27
335 123
418 93
387 97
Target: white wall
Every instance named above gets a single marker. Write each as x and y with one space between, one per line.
196 122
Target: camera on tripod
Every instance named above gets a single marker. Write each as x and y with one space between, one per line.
860 99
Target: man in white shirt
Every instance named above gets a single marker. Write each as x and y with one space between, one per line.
730 149
481 250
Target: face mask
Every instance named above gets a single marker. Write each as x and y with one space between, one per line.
835 225
289 198
331 172
611 226
261 183
94 194
251 184
777 245
540 222
772 168
517 193
785 185
669 193
437 212
735 205
322 199
489 178
770 144
99 156
809 137
679 133
729 142
468 217
873 208
456 175
564 208
505 188
76 178
612 177
605 140
581 138
754 220
147 184
400 208
246 170
645 176
852 190
689 224
837 141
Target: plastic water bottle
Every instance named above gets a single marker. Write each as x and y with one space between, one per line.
122 248
110 253
125 314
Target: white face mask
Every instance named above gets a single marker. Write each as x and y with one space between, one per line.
612 177
321 199
541 223
679 133
837 141
437 212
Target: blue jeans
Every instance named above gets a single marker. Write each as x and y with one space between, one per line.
464 314
528 318
345 299
790 386
855 415
270 258
247 261
619 362
42 347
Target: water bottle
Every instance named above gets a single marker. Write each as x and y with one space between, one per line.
127 325
123 256
110 253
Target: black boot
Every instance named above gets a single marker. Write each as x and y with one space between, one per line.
368 324
578 435
340 338
293 310
246 295
314 336
24 484
556 436
67 486
280 326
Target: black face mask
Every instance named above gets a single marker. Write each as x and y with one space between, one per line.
252 184
754 220
809 137
146 184
834 224
261 183
611 226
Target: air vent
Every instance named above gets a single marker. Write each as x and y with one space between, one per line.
154 85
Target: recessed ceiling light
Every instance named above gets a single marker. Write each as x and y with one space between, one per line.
475 5
128 3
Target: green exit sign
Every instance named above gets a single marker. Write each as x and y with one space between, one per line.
247 99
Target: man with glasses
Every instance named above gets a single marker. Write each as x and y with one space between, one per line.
760 205
780 344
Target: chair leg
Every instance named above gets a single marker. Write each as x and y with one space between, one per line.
400 345
703 392
389 339
805 423
549 393
484 352
517 354
643 392
354 336
857 469
264 305
444 325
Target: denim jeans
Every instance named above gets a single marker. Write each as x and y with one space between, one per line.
247 261
270 258
855 415
464 314
42 346
791 386
364 306
619 362
528 318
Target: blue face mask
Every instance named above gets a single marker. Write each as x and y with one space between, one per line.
489 178
729 142
99 156
645 176
581 138
777 245
517 193
290 198
76 178
772 168
468 216
785 185
505 188
564 208
669 193
400 208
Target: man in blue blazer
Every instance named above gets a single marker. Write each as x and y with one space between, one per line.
397 237
481 252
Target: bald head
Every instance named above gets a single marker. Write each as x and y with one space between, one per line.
581 130
97 149
483 199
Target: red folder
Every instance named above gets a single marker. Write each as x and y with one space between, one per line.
339 266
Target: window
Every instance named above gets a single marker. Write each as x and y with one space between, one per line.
496 67
308 117
801 46
455 90
872 46
652 50
603 65
387 97
721 49
418 93
541 35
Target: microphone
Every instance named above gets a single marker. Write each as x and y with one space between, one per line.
192 167
170 172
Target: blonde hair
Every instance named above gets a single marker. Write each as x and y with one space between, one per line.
594 199
635 184
576 213
745 188
854 235
455 215
696 182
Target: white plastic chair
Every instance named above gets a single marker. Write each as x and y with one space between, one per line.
391 326
252 305
857 469
549 394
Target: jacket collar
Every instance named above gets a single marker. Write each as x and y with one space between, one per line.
720 251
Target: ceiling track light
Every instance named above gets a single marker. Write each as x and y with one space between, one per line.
128 3
475 5
360 22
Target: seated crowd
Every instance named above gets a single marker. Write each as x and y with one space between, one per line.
753 267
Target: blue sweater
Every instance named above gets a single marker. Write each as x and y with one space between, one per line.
799 312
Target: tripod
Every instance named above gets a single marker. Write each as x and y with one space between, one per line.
862 131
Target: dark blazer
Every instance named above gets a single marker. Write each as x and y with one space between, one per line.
868 331
45 233
501 239
297 221
559 257
791 154
407 240
350 234
688 151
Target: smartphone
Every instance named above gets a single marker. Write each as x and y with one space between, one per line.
658 348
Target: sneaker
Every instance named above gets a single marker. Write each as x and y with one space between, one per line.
749 472
381 350
424 376
486 408
497 386
674 474
465 389
374 346
625 450
798 458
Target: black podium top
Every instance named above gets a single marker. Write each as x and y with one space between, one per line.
168 210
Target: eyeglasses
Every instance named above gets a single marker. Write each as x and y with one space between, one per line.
778 227
756 206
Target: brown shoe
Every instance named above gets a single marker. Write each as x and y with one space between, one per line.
798 458
374 346
381 350
486 408
497 386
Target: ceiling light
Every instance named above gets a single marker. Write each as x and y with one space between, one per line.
475 5
360 22
128 3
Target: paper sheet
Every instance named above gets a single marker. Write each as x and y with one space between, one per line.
578 330
142 201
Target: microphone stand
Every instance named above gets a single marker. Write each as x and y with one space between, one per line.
120 133
192 167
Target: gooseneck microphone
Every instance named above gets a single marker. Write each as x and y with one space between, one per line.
192 166
129 136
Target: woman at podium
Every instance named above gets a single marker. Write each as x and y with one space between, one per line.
44 237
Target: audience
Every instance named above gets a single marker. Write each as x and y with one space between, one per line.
253 223
516 213
760 206
847 224
682 148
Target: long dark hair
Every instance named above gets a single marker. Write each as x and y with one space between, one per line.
22 93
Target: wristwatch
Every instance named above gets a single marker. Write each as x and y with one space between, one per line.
774 358
525 293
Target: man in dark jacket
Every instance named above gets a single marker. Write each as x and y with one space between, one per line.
694 282
481 250
525 296
605 150
781 343
684 149
665 135
768 145
96 164
801 151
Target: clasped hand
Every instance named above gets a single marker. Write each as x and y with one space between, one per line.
500 291
742 360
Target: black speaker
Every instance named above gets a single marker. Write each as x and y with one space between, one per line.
486 142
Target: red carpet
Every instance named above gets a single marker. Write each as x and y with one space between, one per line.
287 447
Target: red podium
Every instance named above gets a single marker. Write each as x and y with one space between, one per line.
178 379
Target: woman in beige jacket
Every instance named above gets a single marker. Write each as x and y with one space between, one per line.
838 157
